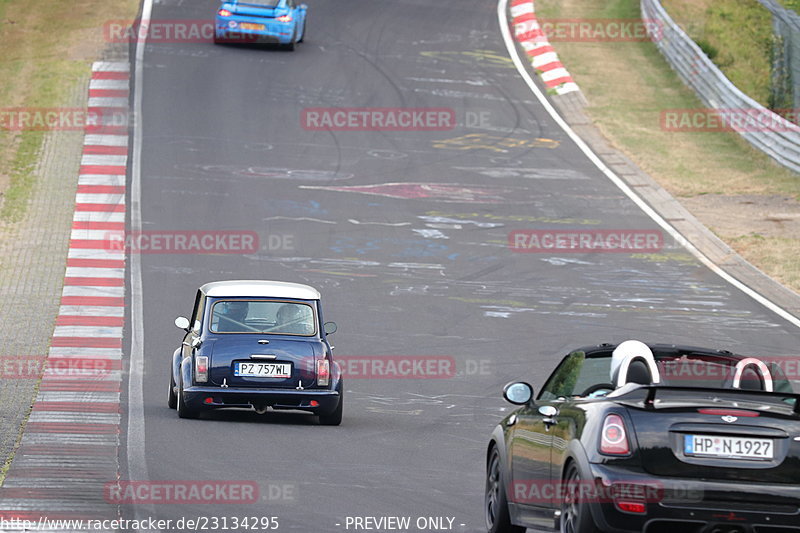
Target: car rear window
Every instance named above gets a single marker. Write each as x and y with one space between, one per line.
263 316
267 3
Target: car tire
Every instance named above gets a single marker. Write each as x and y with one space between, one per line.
495 506
334 418
172 399
575 514
184 411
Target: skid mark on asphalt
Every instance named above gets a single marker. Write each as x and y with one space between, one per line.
300 219
457 408
528 173
457 223
441 192
493 143
474 83
483 58
391 224
267 172
430 233
454 94
516 218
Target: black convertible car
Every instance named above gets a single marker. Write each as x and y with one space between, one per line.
657 438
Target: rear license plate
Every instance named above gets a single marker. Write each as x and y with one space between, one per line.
263 370
728 447
251 26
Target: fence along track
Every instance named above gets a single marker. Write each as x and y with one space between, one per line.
781 141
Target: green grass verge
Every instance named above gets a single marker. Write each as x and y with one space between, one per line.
628 86
47 47
736 35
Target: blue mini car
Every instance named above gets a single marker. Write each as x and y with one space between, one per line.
256 344
279 22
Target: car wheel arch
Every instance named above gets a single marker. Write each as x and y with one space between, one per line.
498 441
576 454
186 371
176 364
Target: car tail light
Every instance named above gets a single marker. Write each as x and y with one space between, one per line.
323 372
614 438
201 368
631 506
285 18
224 13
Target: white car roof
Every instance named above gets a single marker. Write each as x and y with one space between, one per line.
259 289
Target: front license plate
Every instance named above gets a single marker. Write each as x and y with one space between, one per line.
728 447
263 370
251 26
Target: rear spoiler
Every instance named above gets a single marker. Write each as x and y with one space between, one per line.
653 390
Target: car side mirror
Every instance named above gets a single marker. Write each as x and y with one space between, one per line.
303 6
182 322
518 393
329 328
548 411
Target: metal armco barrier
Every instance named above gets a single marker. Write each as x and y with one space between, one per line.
781 142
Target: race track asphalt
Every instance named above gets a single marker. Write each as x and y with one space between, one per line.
414 262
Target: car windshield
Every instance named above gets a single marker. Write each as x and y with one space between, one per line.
262 316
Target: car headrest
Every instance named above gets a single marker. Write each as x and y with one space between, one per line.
638 369
639 373
752 374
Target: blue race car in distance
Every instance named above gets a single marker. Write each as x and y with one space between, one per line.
279 22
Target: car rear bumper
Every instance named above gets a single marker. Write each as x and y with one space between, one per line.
690 505
274 32
197 397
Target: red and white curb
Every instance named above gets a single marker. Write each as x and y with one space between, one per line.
70 446
541 54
